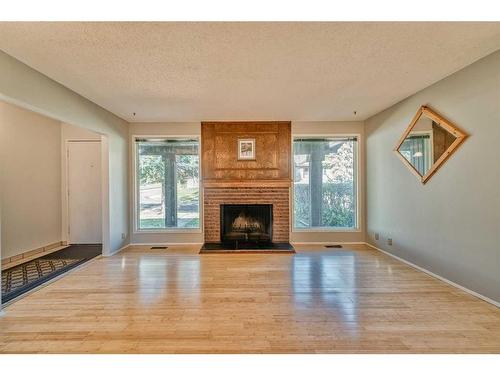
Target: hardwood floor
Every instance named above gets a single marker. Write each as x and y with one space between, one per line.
347 300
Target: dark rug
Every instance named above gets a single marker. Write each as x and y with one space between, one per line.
273 248
26 276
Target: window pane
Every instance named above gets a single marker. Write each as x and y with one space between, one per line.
152 214
417 150
302 192
168 184
325 183
188 206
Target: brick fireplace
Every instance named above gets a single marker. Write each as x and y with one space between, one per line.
279 197
262 180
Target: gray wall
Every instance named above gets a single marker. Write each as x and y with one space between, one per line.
451 225
24 86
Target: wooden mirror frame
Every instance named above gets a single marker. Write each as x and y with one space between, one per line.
444 123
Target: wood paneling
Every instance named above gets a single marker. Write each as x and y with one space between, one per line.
350 300
246 183
220 164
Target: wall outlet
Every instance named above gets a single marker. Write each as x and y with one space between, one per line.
377 236
389 241
124 236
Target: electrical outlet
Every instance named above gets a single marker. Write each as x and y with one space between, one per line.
377 236
389 241
124 236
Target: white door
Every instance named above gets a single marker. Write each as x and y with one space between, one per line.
84 192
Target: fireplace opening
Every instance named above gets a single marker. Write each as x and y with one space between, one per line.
246 225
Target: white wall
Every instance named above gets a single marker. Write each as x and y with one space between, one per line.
24 86
451 225
161 129
30 175
325 128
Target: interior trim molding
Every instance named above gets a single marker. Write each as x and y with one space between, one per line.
32 254
166 243
117 251
441 278
213 184
327 243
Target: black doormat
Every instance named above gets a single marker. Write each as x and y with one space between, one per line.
271 248
26 276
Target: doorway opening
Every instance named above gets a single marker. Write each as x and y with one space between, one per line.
65 211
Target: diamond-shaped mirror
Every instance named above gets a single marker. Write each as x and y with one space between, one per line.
428 142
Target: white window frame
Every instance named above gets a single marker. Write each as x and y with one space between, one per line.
357 189
136 229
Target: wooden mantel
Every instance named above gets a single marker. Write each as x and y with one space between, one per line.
245 183
272 164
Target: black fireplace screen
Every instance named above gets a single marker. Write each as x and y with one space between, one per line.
246 222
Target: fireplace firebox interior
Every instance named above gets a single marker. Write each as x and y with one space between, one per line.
246 224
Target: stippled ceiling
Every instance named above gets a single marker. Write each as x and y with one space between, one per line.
247 71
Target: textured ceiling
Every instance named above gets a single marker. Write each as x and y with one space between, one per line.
247 71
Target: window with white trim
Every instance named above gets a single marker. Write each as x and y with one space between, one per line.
325 183
167 183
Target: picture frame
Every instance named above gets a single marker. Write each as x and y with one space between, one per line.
246 149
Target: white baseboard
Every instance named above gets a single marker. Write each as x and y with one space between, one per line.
475 294
327 243
117 251
2 313
166 244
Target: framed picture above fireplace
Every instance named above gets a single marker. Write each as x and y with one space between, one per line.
246 149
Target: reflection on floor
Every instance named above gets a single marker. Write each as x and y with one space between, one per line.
319 300
24 277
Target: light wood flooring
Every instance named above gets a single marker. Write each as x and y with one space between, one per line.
349 300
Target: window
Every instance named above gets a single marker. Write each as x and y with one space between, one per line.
416 148
168 192
324 187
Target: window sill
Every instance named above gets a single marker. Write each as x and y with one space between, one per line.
324 229
167 230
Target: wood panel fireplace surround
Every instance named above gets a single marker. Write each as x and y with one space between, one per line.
246 201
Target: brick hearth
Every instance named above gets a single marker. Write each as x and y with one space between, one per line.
279 197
